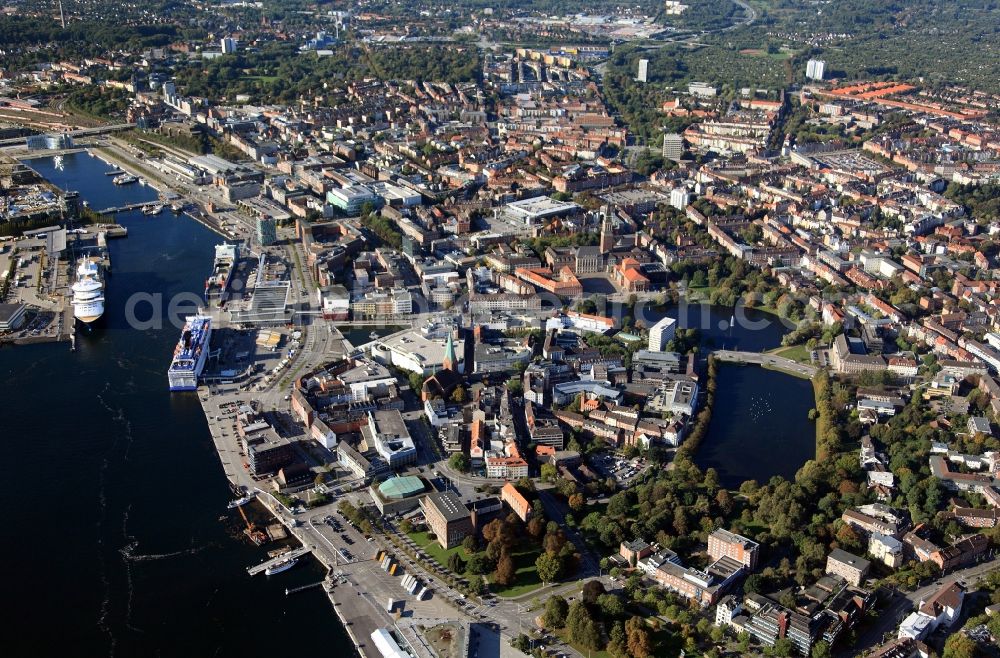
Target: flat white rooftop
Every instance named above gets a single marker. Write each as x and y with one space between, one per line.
541 206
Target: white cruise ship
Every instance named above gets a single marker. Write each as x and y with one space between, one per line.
190 354
88 292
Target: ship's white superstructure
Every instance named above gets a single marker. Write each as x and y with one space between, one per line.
190 354
88 292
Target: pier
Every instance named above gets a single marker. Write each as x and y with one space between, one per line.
127 207
295 590
296 553
111 230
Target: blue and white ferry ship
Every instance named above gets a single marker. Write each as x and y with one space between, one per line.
190 354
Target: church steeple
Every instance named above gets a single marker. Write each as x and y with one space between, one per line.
607 235
449 361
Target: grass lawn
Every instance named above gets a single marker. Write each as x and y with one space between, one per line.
432 548
764 308
268 79
298 266
524 564
762 52
798 353
527 575
752 529
699 292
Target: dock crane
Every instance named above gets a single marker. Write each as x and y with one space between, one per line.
256 535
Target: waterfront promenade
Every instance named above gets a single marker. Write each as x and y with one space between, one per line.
362 588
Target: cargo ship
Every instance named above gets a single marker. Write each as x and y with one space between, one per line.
88 292
190 354
216 285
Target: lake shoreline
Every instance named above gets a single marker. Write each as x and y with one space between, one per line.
759 426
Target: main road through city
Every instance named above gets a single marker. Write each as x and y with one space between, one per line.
901 604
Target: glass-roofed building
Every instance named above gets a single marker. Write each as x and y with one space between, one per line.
398 495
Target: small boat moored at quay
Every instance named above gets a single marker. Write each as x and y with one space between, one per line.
240 502
283 565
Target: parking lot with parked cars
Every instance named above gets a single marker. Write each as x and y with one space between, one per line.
616 465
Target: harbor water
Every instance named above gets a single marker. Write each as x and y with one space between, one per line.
117 539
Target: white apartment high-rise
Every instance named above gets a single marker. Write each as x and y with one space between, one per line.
643 70
228 46
815 69
661 333
673 146
680 197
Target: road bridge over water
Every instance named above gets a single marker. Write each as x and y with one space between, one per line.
80 132
768 361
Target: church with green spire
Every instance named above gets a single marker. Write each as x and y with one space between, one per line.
443 382
450 360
